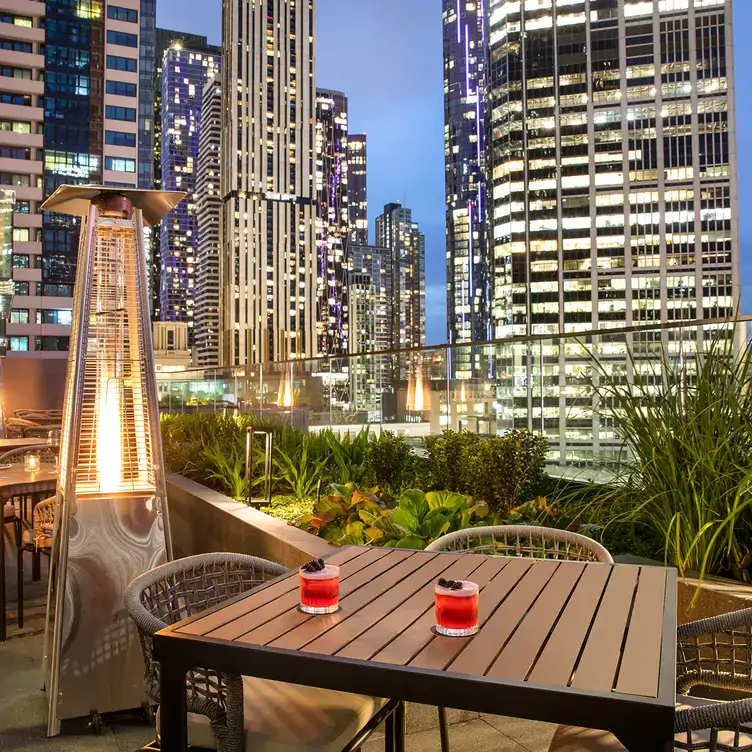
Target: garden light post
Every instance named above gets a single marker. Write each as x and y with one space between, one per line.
111 516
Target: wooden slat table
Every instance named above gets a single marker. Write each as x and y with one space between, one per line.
566 642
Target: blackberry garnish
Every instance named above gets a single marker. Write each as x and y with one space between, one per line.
313 566
443 583
456 586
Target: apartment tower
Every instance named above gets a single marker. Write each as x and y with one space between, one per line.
464 156
332 222
612 181
185 72
396 231
268 166
208 210
357 171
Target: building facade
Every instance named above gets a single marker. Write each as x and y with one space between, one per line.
269 273
357 171
612 184
185 72
74 90
208 211
396 231
332 222
370 298
464 150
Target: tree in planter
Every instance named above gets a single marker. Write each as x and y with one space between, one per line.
447 455
391 464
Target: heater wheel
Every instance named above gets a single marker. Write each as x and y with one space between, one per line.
95 721
149 715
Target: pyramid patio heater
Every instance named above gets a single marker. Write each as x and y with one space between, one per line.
111 515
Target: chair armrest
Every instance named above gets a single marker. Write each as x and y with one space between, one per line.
716 624
716 715
685 682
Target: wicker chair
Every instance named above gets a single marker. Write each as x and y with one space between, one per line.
714 653
38 540
14 431
518 540
232 713
47 454
40 432
523 540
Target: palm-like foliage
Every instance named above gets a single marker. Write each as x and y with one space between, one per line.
688 429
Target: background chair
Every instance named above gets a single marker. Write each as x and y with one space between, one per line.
518 540
233 713
523 540
40 432
36 540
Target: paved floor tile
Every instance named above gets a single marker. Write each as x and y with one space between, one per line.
533 736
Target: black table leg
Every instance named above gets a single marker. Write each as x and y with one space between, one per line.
636 743
173 711
36 557
399 723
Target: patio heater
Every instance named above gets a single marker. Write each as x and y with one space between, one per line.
111 517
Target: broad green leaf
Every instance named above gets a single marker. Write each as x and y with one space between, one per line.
434 527
403 520
446 500
411 541
414 502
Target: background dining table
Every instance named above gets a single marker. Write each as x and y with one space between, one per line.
587 644
6 445
16 481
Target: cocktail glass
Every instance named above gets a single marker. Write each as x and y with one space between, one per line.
457 610
319 591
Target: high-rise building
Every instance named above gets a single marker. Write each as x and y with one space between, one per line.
464 155
21 165
612 183
185 73
268 182
370 298
332 221
357 172
91 112
208 210
612 163
396 231
146 92
163 39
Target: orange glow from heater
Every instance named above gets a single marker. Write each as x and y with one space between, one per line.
109 440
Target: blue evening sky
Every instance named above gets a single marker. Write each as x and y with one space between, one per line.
386 56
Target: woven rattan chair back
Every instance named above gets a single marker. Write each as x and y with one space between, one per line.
47 454
183 588
525 541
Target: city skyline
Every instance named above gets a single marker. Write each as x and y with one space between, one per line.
405 126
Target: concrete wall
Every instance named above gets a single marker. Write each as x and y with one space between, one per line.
203 521
34 383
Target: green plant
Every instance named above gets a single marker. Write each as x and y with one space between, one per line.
424 517
505 471
301 470
446 459
391 464
229 467
347 461
687 427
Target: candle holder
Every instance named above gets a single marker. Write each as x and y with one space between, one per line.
32 461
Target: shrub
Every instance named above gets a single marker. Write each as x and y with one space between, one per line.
446 460
391 464
352 516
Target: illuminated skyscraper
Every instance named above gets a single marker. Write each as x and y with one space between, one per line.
357 170
208 210
464 153
185 72
613 187
332 221
396 231
268 181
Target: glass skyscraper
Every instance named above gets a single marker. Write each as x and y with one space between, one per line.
185 72
332 221
396 231
612 186
464 150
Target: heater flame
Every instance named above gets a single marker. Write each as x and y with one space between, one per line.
109 447
285 397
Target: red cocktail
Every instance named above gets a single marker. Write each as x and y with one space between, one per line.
457 608
319 590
